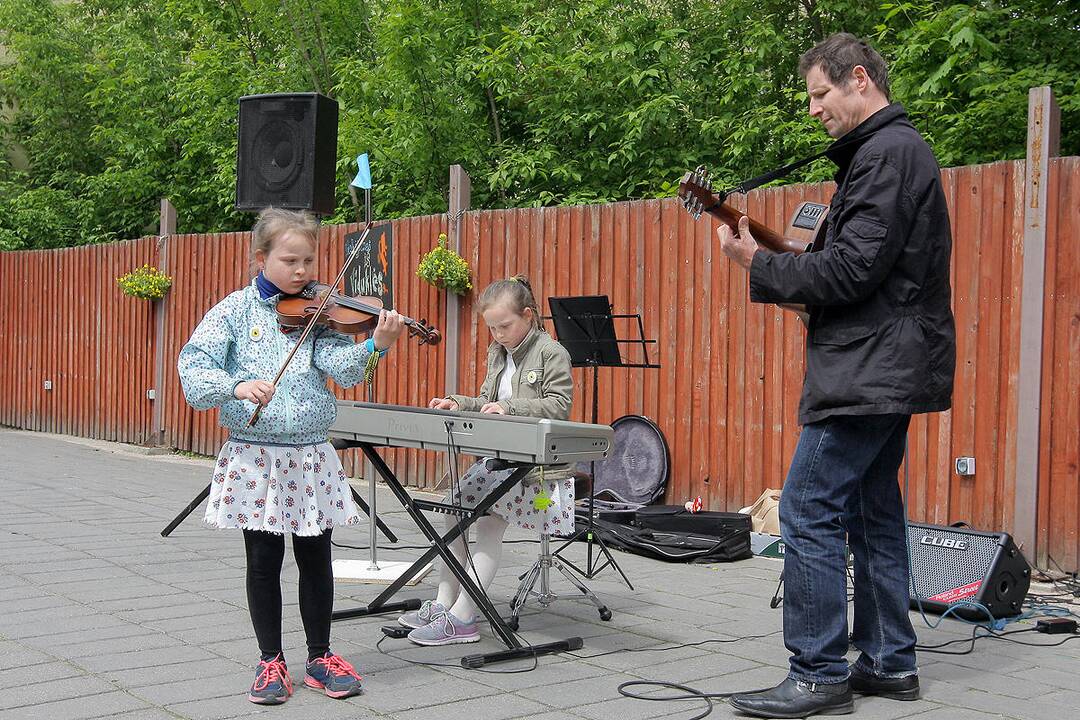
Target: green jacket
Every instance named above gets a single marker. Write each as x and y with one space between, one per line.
542 385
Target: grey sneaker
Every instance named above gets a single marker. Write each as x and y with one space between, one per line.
272 685
445 629
419 618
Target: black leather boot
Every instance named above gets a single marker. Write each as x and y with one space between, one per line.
796 699
905 688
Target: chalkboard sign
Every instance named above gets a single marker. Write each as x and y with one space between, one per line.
370 273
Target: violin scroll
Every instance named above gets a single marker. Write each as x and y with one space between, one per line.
426 334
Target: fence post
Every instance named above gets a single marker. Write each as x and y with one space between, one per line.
166 227
1043 143
460 196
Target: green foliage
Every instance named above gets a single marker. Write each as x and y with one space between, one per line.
964 71
113 104
44 217
444 268
146 282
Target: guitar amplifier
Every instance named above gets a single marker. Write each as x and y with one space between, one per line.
951 564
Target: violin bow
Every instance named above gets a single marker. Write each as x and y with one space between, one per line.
311 321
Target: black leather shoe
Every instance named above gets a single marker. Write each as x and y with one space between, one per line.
905 688
796 699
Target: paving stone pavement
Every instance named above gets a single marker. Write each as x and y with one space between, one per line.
102 617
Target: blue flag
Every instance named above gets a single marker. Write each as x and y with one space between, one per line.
363 176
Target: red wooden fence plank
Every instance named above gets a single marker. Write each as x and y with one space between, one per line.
1060 461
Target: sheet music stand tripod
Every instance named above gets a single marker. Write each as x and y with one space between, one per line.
585 326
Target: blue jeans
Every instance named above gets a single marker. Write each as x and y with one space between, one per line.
843 479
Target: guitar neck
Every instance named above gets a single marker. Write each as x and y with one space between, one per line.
766 237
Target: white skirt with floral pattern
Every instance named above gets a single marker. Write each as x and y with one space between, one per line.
298 489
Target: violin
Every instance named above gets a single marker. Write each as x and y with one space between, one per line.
351 315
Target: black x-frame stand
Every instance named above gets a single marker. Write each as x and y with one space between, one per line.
440 546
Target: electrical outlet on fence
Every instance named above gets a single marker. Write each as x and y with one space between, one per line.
965 466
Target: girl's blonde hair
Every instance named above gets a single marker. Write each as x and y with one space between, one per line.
274 223
515 290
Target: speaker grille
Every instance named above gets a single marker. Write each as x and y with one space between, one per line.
277 154
945 562
286 151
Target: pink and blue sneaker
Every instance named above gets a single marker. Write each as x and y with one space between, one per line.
331 674
272 685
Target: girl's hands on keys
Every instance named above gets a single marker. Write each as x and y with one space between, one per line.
257 391
442 404
388 330
493 408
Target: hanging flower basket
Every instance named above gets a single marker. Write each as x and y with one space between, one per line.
444 268
146 282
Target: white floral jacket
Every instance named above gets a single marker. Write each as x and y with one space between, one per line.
239 340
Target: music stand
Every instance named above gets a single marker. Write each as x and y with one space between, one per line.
585 326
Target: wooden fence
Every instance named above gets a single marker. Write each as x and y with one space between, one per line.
725 396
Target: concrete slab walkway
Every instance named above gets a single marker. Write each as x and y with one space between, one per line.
102 617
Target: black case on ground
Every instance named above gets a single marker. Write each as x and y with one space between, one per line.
678 519
669 532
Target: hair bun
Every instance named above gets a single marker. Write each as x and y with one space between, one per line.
523 280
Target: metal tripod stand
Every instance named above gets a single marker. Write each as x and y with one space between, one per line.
540 572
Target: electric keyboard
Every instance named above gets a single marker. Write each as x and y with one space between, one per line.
514 438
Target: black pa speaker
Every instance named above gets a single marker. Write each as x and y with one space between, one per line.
951 564
286 152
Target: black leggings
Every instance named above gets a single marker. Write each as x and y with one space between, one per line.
265 553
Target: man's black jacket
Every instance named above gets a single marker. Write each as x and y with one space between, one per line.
881 337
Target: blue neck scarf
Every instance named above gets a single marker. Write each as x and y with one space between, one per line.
266 288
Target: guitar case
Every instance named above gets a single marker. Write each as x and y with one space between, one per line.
674 518
675 546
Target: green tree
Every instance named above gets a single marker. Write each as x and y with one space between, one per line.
116 103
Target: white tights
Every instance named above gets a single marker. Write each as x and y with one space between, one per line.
486 552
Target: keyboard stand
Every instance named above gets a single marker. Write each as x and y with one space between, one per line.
440 546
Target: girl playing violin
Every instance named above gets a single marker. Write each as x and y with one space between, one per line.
280 476
528 373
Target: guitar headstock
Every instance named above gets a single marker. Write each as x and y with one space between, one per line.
696 191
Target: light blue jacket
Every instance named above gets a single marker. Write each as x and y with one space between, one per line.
239 340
